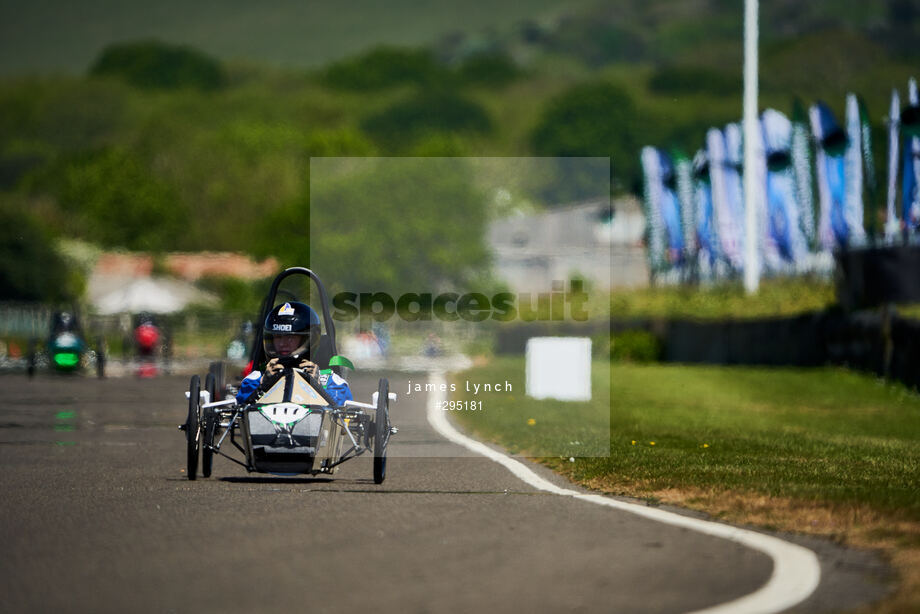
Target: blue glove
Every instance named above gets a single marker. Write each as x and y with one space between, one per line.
248 386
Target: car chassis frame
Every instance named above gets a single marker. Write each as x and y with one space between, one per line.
293 427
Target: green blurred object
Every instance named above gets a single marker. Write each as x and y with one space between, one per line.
66 360
384 67
156 65
423 115
635 346
341 361
66 350
30 268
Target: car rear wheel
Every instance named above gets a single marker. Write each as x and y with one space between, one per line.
216 369
381 431
210 424
209 434
31 359
193 426
100 357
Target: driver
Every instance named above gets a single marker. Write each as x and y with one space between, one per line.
290 337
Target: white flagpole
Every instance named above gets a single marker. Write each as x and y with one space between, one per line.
752 204
892 227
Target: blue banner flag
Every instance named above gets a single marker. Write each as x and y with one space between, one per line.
853 174
870 182
800 151
784 225
829 165
683 175
727 203
910 179
665 234
670 210
704 224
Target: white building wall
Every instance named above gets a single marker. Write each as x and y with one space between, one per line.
530 252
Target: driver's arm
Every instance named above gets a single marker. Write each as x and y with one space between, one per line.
274 369
309 367
248 387
272 372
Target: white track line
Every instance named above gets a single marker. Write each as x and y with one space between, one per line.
796 571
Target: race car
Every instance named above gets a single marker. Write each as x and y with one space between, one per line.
239 346
150 344
294 426
147 335
66 350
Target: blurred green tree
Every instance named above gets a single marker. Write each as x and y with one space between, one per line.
492 69
116 201
423 115
397 224
283 232
30 268
597 119
676 80
598 41
157 65
384 67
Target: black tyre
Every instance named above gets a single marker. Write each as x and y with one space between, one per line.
216 369
221 375
166 350
31 358
210 384
208 428
193 426
100 357
209 432
381 431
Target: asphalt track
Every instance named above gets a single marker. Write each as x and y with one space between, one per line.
97 516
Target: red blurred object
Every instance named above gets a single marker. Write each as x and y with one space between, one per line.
247 369
147 370
147 336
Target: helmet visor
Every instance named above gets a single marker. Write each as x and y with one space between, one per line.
278 345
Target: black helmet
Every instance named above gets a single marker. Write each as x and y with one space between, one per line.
63 321
291 320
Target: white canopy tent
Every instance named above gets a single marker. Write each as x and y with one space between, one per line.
156 295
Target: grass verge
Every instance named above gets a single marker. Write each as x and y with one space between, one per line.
824 451
777 297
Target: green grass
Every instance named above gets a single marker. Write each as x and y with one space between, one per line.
909 311
776 297
535 428
817 435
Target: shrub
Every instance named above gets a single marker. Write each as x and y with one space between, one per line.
675 80
593 119
156 65
30 269
114 199
423 115
491 69
635 346
385 67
